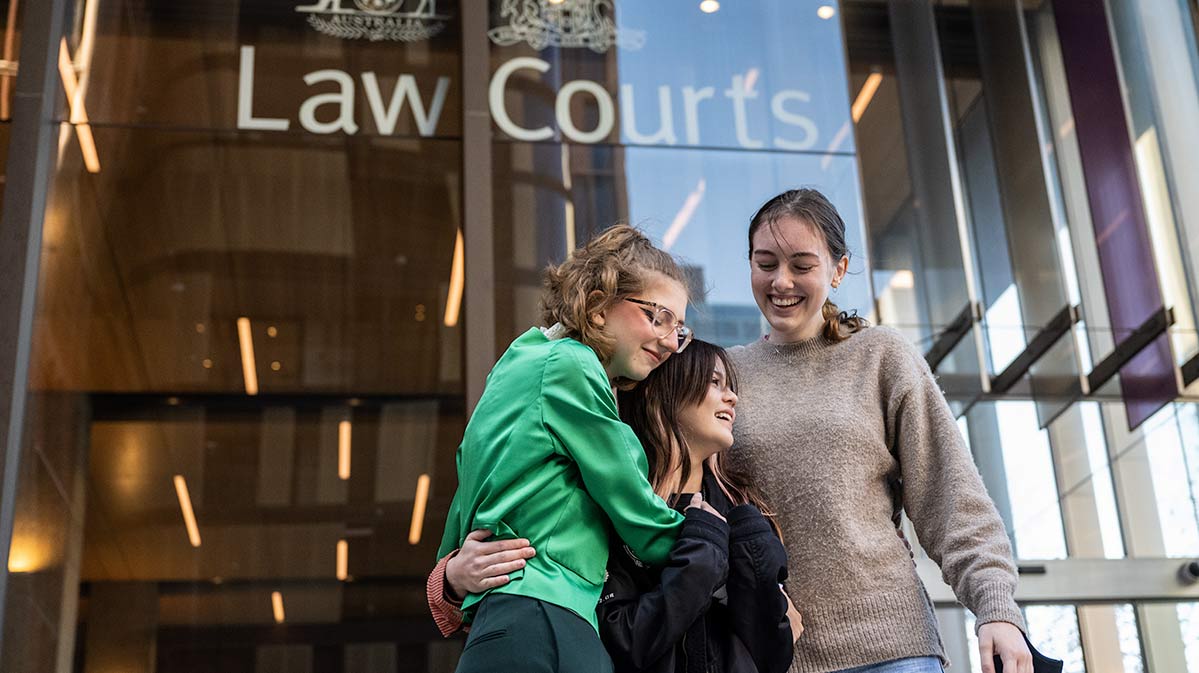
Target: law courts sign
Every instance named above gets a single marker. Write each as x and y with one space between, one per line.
726 105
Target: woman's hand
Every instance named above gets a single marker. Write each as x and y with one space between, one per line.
697 500
794 617
1003 640
479 566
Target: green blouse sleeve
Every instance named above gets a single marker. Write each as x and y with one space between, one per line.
579 411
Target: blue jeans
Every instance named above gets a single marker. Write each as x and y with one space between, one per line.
909 665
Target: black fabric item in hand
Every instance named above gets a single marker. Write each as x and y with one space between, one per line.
1040 662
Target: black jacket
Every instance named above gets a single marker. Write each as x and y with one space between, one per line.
716 606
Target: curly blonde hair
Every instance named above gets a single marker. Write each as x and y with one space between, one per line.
610 267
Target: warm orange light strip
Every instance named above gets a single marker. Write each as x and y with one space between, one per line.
343 560
189 515
246 338
453 298
866 95
6 79
418 509
343 449
87 144
277 606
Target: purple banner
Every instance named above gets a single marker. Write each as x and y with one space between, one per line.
1117 213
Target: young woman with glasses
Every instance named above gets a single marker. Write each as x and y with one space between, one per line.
546 459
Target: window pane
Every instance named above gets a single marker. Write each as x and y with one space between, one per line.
1130 638
1053 629
1036 514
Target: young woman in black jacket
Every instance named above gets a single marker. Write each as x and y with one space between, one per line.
718 605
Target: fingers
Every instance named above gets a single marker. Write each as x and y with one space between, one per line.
485 560
503 568
986 653
492 582
1023 659
478 535
498 547
1009 662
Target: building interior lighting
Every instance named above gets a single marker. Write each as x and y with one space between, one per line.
28 553
684 215
87 143
277 606
343 560
903 279
245 339
344 434
866 95
826 12
453 297
751 78
8 67
569 208
189 514
418 509
709 6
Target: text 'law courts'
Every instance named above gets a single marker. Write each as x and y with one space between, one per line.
335 111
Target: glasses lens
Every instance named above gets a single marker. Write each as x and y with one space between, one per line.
664 322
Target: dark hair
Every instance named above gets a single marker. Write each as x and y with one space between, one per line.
652 409
605 270
812 207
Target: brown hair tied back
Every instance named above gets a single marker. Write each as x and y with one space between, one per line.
610 267
812 207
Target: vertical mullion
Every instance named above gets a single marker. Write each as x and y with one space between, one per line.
477 220
26 182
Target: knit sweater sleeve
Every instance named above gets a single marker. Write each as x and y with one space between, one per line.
944 496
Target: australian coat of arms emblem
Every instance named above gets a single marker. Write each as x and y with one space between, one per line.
376 20
569 23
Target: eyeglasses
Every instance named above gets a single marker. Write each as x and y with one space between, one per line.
665 322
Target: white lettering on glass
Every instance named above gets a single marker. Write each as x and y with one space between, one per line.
603 102
628 114
387 116
738 93
245 98
343 98
785 107
781 114
691 99
495 95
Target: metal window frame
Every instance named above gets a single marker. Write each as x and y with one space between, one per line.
27 171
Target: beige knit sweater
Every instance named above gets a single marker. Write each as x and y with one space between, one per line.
839 436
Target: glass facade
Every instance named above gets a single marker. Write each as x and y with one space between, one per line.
277 245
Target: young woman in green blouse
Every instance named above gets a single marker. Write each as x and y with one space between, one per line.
546 460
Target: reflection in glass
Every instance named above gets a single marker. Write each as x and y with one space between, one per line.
1188 623
1170 461
1036 513
1130 638
1101 478
1054 629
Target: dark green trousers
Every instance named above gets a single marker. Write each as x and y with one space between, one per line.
515 633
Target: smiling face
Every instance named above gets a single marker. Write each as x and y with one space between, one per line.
638 349
791 273
708 425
